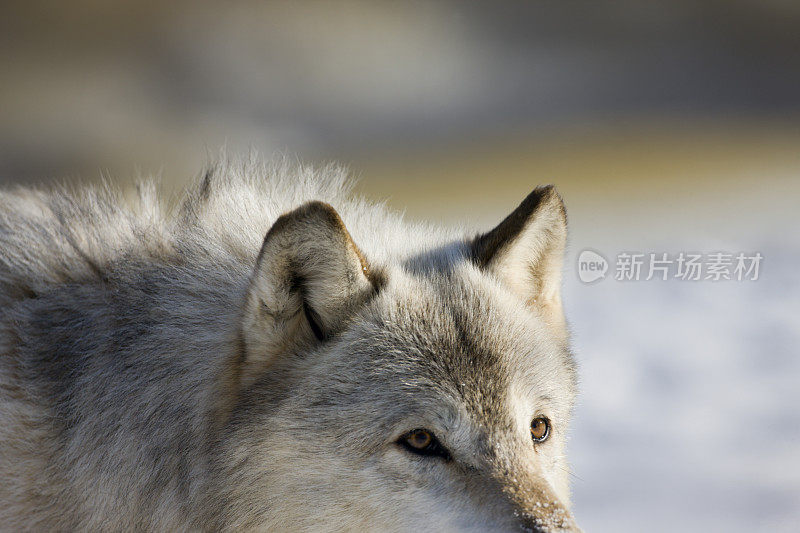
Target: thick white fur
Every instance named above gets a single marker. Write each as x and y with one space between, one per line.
176 440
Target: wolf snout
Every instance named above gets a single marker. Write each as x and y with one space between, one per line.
559 520
536 507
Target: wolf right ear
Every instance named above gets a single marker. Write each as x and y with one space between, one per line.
526 251
309 278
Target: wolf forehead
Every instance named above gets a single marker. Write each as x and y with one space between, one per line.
459 335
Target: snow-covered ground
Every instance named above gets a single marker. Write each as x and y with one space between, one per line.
689 415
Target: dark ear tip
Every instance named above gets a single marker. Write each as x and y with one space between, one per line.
545 195
545 192
543 200
319 210
314 211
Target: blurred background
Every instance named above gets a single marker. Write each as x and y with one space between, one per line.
667 126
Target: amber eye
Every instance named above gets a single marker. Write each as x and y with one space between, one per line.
540 429
419 439
422 442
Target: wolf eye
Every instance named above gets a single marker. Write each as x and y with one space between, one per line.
540 429
423 442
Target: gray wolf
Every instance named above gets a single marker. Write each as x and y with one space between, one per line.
273 354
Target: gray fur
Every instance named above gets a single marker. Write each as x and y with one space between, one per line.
174 370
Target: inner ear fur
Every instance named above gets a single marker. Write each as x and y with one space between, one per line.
310 277
526 250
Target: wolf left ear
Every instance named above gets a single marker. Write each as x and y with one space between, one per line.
526 250
309 278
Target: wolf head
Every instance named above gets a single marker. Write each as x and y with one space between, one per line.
433 393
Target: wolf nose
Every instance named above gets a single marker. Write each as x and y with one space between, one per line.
549 524
544 514
547 518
